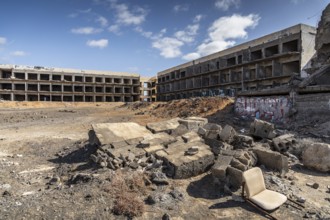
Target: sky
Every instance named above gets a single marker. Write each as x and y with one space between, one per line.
141 36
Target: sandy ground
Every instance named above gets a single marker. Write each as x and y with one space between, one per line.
41 140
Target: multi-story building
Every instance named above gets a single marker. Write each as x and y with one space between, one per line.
266 62
148 89
23 83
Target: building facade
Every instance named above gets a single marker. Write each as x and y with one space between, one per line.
263 63
148 89
23 83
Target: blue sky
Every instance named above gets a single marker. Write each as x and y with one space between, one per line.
144 36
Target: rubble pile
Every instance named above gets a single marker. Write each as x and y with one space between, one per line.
197 106
184 147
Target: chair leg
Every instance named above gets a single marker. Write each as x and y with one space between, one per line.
261 210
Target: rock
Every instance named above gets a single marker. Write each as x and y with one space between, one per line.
315 186
108 133
317 156
160 138
159 178
130 157
191 136
80 178
6 193
134 165
201 132
179 166
5 186
262 129
301 200
177 195
163 126
55 180
284 142
227 134
242 141
191 151
234 177
272 159
193 123
166 217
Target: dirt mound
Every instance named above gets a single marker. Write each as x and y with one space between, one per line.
200 106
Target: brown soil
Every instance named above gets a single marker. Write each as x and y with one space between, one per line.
43 146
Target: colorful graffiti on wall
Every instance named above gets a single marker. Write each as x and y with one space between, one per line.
274 109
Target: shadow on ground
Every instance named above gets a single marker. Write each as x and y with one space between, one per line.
204 188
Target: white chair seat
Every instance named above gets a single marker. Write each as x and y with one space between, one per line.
268 199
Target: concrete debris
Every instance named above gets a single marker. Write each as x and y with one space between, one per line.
272 160
317 156
242 141
284 143
163 126
227 134
262 129
193 123
179 166
191 136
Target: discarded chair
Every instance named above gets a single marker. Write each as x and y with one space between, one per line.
258 196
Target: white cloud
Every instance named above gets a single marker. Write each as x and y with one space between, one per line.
226 4
198 18
102 43
129 17
86 30
3 40
102 21
191 56
114 29
223 32
178 8
188 34
18 53
169 47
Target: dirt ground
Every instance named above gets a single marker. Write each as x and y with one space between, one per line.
43 146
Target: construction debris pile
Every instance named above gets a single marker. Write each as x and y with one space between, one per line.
182 108
182 148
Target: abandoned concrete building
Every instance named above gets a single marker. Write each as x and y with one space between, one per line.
23 83
148 89
263 63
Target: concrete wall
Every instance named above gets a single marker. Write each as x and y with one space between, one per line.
274 108
313 105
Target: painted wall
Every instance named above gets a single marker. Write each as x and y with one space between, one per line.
274 109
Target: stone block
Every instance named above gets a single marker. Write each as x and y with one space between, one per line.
272 159
262 129
180 130
284 143
153 148
180 166
193 123
107 133
163 126
219 168
234 177
123 152
227 134
242 141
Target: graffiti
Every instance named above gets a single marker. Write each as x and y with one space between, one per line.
268 108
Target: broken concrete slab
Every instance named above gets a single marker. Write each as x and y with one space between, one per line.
227 134
217 146
123 152
191 136
153 148
163 126
262 129
272 159
180 165
161 138
180 130
317 156
193 123
107 133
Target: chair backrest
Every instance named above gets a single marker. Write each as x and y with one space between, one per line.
254 181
